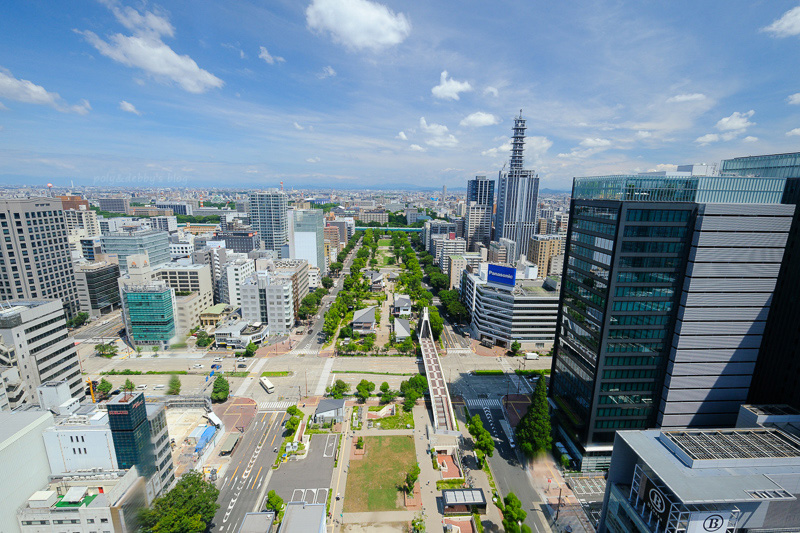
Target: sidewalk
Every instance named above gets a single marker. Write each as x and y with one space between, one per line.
427 476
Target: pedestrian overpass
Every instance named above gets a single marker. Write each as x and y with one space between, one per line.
443 415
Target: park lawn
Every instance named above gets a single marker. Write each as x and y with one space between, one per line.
372 482
384 242
276 374
397 421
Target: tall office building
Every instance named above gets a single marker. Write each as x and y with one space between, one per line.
35 261
306 237
154 243
480 190
268 211
35 331
775 379
478 212
667 284
542 249
517 196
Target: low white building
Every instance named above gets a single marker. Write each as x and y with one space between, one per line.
239 334
81 442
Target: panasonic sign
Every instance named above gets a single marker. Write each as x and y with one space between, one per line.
502 275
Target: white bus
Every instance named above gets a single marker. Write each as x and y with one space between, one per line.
268 386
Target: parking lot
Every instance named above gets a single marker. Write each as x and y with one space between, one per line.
307 479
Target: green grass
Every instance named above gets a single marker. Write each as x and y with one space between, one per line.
544 372
397 421
276 374
455 483
128 372
488 372
374 373
384 242
375 408
234 374
373 482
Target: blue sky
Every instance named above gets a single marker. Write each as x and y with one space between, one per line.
358 93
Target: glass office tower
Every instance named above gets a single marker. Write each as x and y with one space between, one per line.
666 288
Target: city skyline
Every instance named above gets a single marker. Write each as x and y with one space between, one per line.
363 94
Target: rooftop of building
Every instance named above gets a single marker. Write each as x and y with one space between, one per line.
402 327
257 522
364 315
13 422
731 470
124 398
772 409
301 517
84 266
329 404
463 497
216 309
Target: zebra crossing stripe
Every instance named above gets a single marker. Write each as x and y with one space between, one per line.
274 406
486 404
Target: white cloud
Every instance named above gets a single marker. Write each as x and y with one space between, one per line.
536 147
313 160
2 107
786 26
416 148
438 135
27 92
794 99
129 108
595 143
298 126
266 56
448 89
491 90
664 166
327 72
479 119
707 138
358 24
146 50
402 136
736 122
794 132
241 54
503 149
691 97
643 134
750 139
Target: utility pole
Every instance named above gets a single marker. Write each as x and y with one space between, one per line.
306 372
558 505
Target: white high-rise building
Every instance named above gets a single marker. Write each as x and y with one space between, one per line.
234 273
269 299
517 197
40 348
306 237
268 215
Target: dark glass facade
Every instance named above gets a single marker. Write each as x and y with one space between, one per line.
103 287
130 430
480 190
620 284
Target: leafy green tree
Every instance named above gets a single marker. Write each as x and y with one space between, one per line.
221 389
189 507
129 386
294 411
138 351
410 401
534 433
515 346
104 387
411 477
327 282
174 387
107 350
364 389
337 265
155 350
339 389
292 424
250 349
513 514
437 324
203 339
481 436
274 502
439 281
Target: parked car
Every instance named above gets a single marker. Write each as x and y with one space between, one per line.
215 367
159 386
218 359
197 365
241 359
141 387
113 392
242 365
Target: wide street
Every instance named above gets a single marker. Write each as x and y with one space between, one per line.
243 483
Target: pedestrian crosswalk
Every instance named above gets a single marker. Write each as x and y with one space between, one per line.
305 351
459 351
491 404
274 406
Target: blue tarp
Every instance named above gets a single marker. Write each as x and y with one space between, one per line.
205 438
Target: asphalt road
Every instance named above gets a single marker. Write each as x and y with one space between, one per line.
243 486
509 473
316 338
106 326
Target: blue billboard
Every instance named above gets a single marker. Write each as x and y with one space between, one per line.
502 275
